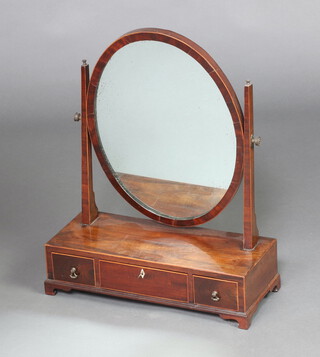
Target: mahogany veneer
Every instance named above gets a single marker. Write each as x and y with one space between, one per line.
193 268
142 260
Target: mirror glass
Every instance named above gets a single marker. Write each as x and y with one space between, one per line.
165 129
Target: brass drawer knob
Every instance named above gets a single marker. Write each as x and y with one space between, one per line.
215 296
73 273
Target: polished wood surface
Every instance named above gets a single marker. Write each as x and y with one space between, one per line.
259 275
217 76
176 199
250 230
145 240
89 208
227 292
182 266
143 260
144 281
84 269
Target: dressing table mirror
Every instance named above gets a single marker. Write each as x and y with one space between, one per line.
169 132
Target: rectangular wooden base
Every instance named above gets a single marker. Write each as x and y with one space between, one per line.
191 268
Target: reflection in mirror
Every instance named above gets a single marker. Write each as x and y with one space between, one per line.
165 129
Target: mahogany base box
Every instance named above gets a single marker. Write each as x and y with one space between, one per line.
192 268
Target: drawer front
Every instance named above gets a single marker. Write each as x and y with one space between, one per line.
215 292
144 281
74 269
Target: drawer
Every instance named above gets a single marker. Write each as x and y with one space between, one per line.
74 269
215 292
144 281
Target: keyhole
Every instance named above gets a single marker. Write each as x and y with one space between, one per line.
142 274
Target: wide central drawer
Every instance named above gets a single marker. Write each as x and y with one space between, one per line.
144 281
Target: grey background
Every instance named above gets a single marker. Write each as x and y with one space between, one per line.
276 45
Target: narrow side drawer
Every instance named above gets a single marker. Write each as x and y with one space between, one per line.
73 269
215 292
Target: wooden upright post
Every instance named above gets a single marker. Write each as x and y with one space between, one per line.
250 230
89 208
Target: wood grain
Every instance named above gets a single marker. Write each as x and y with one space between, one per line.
227 292
155 282
176 199
175 260
63 263
182 266
250 230
255 279
89 208
141 240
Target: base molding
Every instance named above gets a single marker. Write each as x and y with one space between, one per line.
243 318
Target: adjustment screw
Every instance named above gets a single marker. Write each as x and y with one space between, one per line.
77 117
256 141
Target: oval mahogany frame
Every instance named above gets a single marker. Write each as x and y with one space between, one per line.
225 88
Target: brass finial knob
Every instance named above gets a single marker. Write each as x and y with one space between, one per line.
77 117
256 141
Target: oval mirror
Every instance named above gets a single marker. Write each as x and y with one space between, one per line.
166 126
